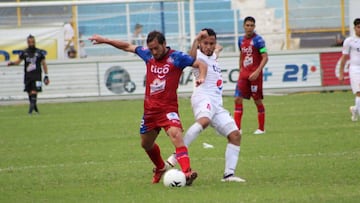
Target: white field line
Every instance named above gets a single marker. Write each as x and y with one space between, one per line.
262 157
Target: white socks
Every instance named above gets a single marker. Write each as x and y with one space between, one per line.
357 104
192 133
231 158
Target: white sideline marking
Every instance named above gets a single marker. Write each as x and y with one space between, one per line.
21 168
291 156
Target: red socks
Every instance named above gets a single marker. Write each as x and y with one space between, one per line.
155 156
183 158
238 115
261 116
239 112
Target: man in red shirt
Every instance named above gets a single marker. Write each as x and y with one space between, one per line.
164 67
253 57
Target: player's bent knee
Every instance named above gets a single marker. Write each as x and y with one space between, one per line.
175 135
235 137
258 101
204 122
146 145
228 129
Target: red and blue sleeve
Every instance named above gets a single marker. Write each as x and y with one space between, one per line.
143 53
182 60
259 43
239 42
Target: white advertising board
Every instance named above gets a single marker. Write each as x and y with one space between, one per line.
282 71
126 77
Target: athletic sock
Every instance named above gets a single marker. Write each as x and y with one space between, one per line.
231 158
261 116
35 105
183 159
238 114
192 133
32 103
357 104
155 156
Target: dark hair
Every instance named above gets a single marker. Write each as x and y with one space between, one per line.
210 32
249 18
356 21
30 37
156 35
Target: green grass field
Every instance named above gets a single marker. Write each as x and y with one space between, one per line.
90 152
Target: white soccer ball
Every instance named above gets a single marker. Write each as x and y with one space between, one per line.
174 178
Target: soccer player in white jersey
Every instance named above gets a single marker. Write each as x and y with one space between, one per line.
351 49
208 107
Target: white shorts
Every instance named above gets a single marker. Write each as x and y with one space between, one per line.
354 81
220 118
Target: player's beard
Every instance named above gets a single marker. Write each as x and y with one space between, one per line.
210 53
162 55
32 48
207 52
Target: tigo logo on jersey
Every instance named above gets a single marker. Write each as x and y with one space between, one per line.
247 50
160 71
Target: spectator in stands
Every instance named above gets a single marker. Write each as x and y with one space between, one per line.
69 36
138 37
82 51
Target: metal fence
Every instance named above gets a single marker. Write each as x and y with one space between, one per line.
287 24
320 23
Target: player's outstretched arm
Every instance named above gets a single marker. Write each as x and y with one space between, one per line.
202 66
125 46
13 63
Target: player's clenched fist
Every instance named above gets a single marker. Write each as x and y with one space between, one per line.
199 81
46 80
202 34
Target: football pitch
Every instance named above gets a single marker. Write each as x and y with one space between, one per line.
90 152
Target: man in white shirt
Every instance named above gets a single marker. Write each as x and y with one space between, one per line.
69 35
207 104
351 51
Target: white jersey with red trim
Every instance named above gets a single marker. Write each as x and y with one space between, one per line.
213 84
